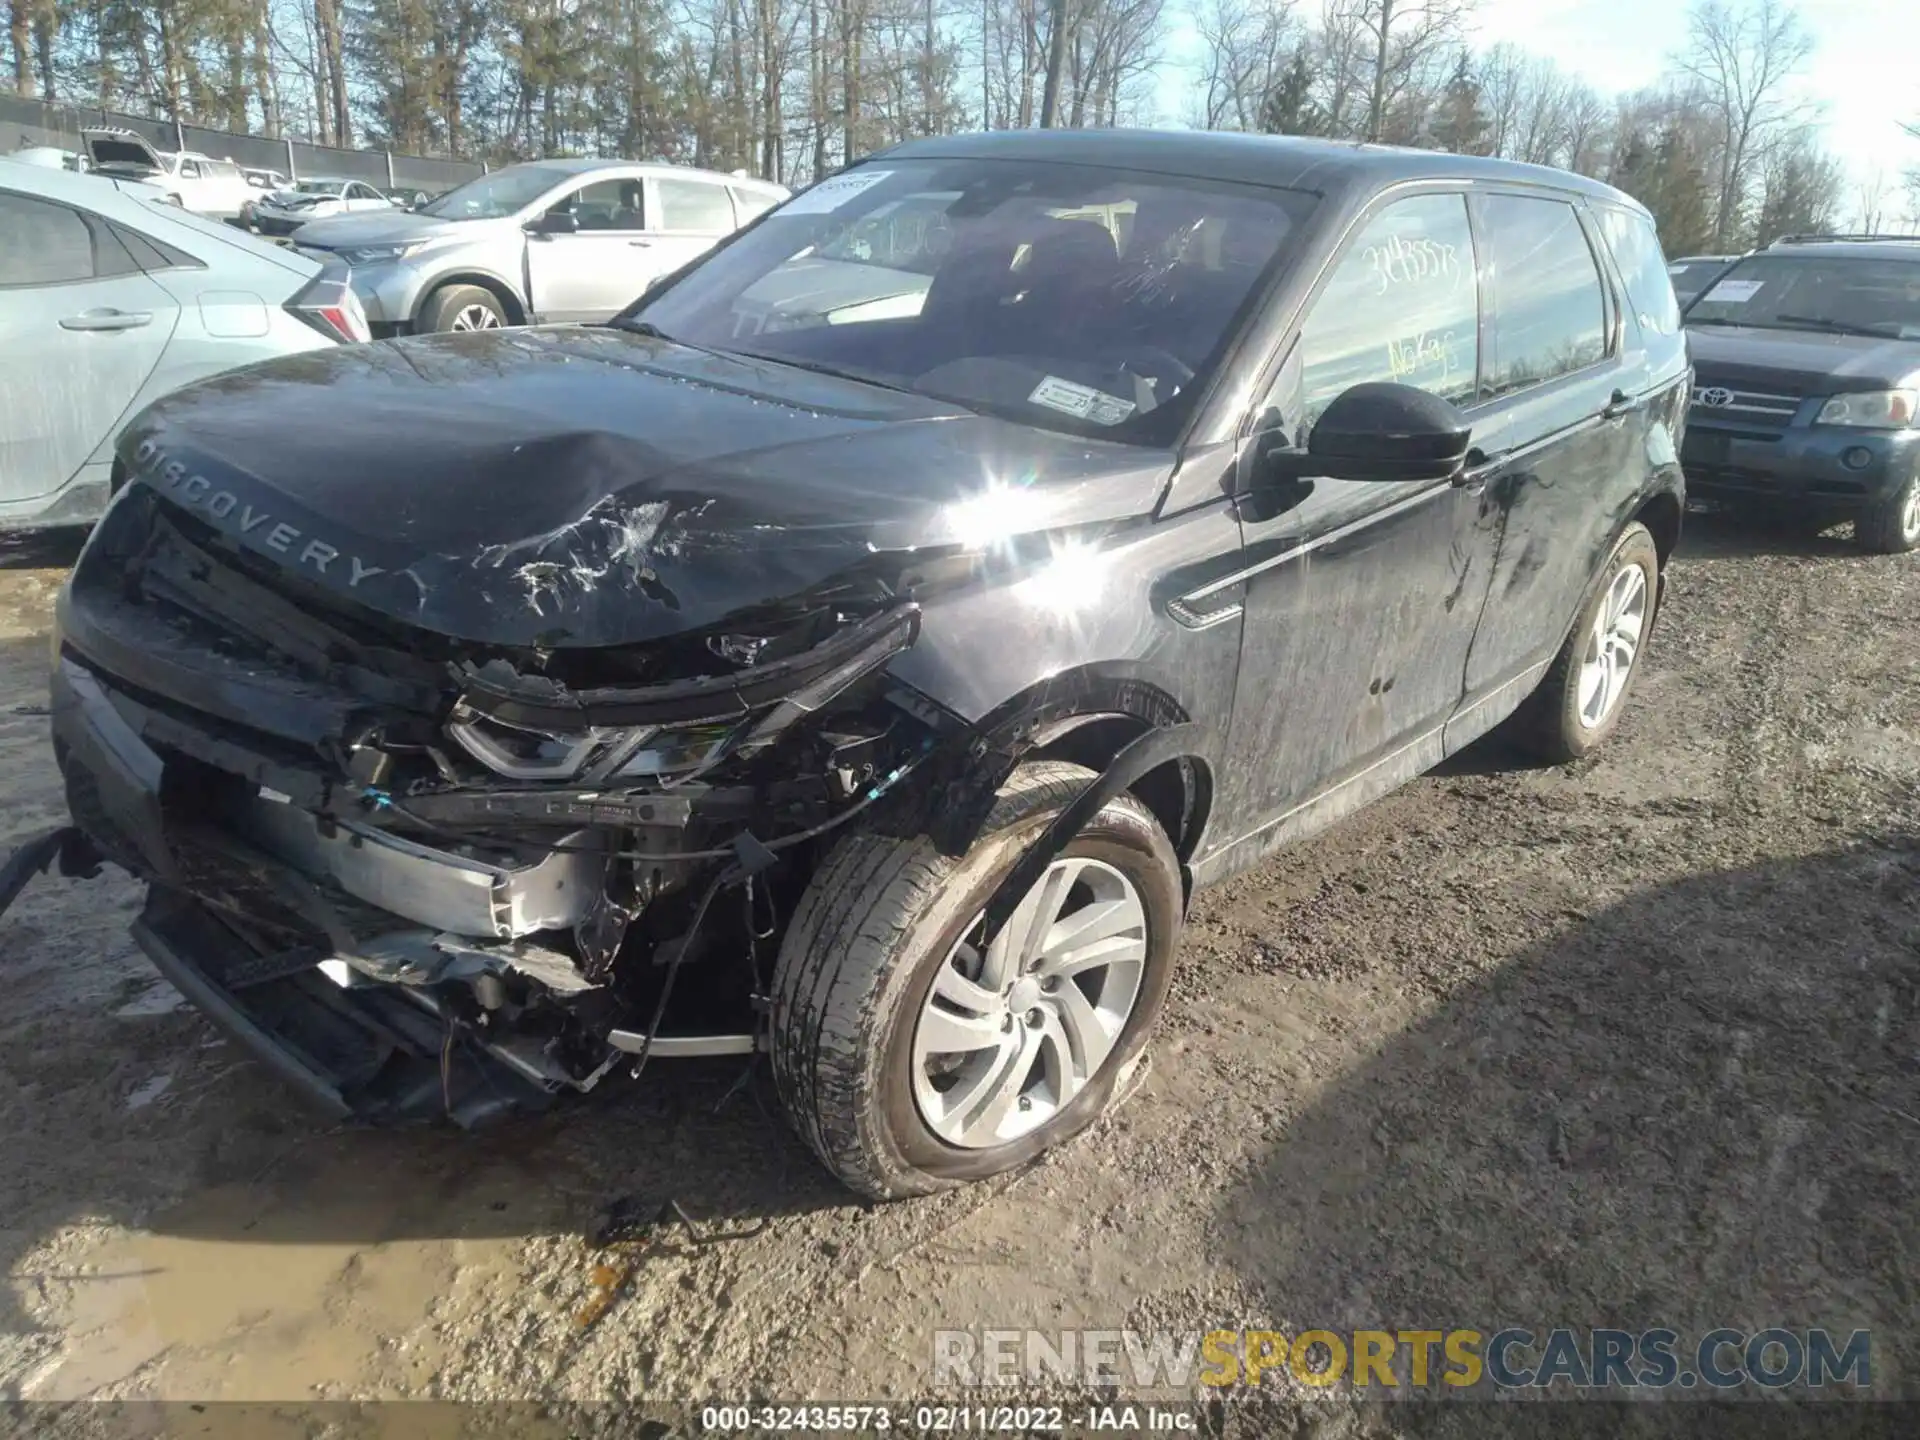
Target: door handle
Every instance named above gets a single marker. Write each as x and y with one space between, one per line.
108 320
641 244
1620 403
1474 470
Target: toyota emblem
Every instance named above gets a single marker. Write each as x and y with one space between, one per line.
1714 397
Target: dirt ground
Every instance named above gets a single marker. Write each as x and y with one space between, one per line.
1634 1042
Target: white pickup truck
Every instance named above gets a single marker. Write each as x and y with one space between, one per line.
206 186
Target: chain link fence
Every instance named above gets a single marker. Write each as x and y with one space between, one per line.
37 122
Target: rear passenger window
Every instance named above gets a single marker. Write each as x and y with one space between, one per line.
751 204
1636 249
695 205
151 254
1549 317
1402 305
47 244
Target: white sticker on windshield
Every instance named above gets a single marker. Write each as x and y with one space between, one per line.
1735 292
1080 401
832 193
1676 269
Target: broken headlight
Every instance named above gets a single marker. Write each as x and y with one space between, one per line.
596 756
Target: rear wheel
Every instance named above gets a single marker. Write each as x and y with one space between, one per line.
1578 704
1892 528
463 307
911 1057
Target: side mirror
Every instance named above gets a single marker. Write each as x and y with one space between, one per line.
1380 431
554 222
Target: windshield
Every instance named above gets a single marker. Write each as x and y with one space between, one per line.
317 187
492 197
1841 294
1074 297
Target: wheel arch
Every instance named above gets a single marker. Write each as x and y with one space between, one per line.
1087 717
493 284
1662 515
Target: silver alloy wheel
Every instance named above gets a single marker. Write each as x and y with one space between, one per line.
475 317
1006 1039
1910 514
1612 644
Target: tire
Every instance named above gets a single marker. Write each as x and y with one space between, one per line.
463 307
883 919
1558 723
1893 528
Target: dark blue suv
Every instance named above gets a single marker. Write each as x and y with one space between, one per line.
1806 400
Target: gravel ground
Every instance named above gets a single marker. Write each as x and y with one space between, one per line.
1631 1042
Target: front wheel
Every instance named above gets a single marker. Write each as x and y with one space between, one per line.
1578 704
463 307
1893 527
913 1059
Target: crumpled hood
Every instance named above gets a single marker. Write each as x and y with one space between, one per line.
573 487
387 227
1802 362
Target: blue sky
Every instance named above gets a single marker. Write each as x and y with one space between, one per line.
1864 76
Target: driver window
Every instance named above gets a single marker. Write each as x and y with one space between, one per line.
1402 305
605 205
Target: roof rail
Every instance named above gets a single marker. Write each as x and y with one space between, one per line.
1849 239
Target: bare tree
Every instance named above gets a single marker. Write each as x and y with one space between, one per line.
1245 45
1400 42
1871 198
20 28
1743 61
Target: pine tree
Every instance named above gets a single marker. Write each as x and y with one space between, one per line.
1460 123
1289 108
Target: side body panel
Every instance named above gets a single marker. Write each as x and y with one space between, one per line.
1576 458
65 383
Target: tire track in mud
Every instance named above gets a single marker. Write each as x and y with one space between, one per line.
1754 748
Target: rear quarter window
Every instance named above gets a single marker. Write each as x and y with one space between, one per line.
1636 250
695 205
751 204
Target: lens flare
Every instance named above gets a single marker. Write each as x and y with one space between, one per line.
1073 578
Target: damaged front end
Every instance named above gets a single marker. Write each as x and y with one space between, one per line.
427 877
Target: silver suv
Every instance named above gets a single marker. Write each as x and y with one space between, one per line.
550 240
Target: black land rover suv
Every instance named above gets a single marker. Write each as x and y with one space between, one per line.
867 678
1806 401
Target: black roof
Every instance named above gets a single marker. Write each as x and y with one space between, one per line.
1292 161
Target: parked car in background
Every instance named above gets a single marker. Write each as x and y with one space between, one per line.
1806 400
544 241
1692 274
409 197
109 299
264 183
52 157
874 693
197 182
285 211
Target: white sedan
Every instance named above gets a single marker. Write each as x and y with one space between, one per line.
110 298
285 211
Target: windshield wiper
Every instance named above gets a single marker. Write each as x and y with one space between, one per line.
815 367
1814 322
641 327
